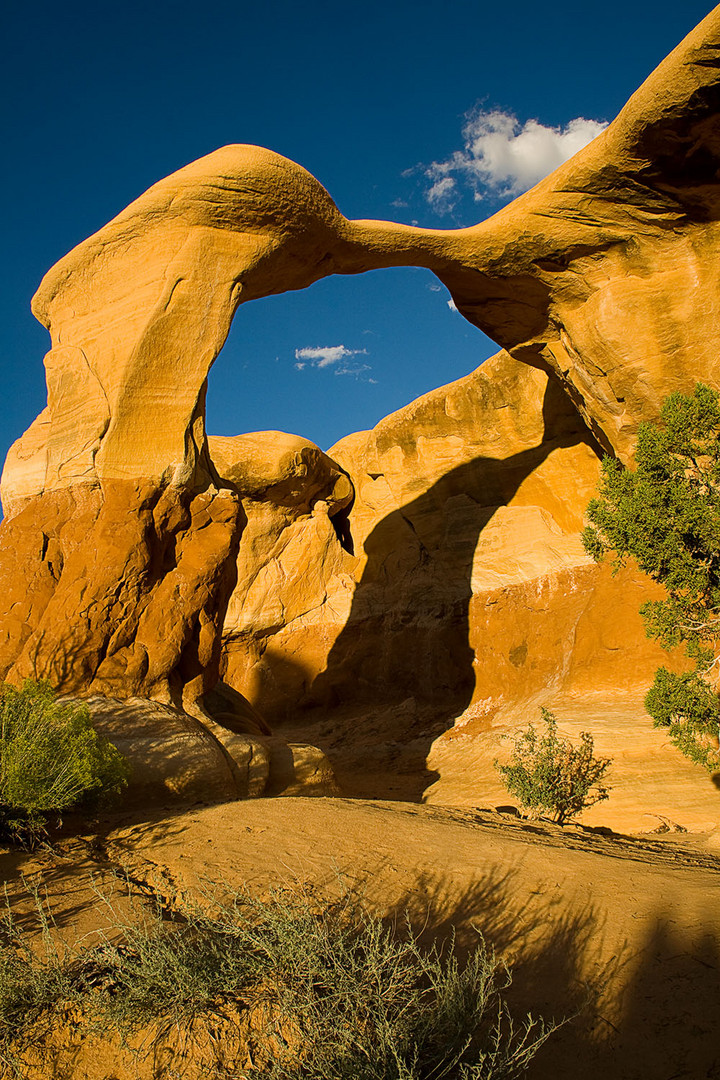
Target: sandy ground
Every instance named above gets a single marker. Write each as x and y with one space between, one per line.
627 929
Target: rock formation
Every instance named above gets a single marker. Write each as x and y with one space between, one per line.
457 599
130 539
461 578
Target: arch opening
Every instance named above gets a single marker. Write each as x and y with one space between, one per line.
380 339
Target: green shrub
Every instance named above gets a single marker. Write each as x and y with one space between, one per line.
690 709
326 990
51 758
549 775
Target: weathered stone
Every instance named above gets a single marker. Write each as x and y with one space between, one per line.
117 590
301 771
295 499
173 757
466 580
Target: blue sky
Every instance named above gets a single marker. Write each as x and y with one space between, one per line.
403 110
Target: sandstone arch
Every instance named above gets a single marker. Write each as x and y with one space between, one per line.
119 547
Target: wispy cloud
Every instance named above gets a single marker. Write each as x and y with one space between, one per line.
443 190
339 357
358 371
322 356
502 157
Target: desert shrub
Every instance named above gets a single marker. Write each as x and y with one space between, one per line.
332 992
549 775
51 759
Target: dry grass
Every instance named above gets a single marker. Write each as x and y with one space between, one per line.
313 988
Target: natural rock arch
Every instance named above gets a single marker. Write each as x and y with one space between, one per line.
120 539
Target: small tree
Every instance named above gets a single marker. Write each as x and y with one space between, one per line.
51 758
666 515
549 775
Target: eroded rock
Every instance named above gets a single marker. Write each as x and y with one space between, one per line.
467 580
122 553
173 757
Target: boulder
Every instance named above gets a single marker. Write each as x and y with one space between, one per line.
174 758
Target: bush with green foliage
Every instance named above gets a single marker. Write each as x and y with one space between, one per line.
51 759
551 776
666 515
321 990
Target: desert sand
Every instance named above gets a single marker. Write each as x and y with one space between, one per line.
622 931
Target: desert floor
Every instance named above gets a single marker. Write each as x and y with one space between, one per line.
624 931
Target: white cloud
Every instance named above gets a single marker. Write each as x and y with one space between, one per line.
503 157
321 356
325 356
443 189
451 304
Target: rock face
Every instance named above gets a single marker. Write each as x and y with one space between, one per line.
474 490
296 501
116 589
459 590
130 540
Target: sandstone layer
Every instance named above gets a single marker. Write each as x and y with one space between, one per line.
130 540
461 570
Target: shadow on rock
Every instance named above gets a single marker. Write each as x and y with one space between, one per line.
401 670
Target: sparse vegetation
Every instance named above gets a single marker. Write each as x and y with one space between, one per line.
551 776
51 759
319 990
666 515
